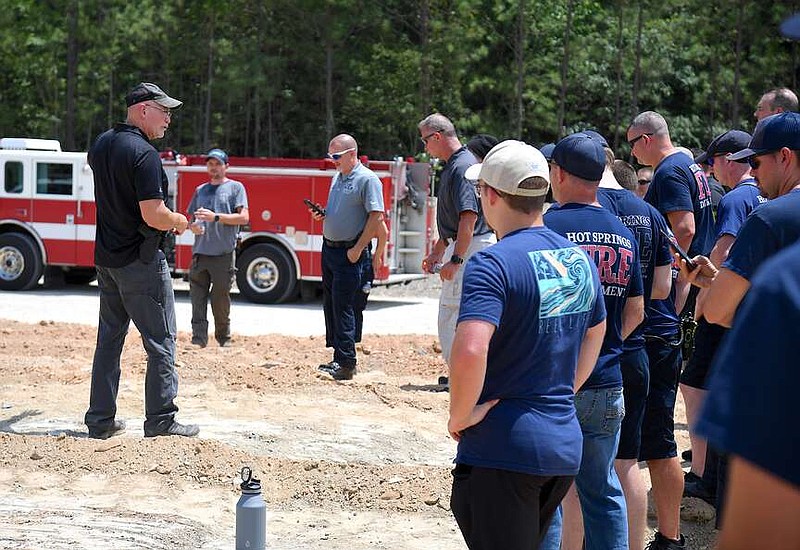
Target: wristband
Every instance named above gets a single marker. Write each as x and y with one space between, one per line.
456 259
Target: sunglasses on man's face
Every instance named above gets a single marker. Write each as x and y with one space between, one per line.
754 162
340 154
637 138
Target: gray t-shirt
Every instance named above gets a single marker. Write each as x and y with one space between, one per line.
225 198
351 199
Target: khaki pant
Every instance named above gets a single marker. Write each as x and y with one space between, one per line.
450 298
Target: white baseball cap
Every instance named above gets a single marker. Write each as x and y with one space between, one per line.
507 164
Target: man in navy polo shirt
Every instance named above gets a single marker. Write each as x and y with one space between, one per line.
130 189
732 211
649 228
530 327
679 189
774 158
462 227
576 169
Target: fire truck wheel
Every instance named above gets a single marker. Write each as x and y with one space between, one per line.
266 274
20 262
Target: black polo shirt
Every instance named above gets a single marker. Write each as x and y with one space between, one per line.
127 169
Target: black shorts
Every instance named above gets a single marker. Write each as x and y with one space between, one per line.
635 382
707 339
658 427
504 509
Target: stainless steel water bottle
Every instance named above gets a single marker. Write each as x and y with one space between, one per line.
251 514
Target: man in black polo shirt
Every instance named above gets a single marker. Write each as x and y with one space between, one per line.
132 272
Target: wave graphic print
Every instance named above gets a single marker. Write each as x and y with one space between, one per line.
565 283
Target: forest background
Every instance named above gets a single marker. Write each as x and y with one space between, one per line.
281 77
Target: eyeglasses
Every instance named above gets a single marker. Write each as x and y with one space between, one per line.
754 162
644 182
637 138
710 160
340 154
167 112
425 139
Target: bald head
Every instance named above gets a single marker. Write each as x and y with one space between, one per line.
342 142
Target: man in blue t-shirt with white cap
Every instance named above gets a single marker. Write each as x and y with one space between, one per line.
530 326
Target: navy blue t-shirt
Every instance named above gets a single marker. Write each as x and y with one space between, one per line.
646 224
769 228
542 293
457 195
750 410
680 185
734 207
612 247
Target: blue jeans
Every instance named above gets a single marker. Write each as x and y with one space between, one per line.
343 301
605 521
141 292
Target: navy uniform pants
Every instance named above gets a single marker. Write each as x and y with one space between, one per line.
344 300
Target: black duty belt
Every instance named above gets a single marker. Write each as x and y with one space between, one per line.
339 244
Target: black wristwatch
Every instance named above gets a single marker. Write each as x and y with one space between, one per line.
456 259
216 217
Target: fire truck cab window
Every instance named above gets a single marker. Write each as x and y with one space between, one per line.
53 178
13 177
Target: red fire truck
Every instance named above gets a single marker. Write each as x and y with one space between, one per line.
47 218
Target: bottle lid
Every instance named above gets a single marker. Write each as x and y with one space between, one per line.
249 483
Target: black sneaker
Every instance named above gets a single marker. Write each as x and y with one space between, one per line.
116 428
660 542
185 430
687 455
339 372
328 367
197 342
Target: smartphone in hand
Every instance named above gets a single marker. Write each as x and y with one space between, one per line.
314 207
681 252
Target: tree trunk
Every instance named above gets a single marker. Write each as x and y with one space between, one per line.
519 57
209 85
737 68
72 74
424 62
637 65
562 96
618 98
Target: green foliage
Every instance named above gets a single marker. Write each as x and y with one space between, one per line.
281 77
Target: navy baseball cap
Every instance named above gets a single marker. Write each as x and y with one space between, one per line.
772 134
581 155
547 150
218 154
731 141
790 28
147 91
594 134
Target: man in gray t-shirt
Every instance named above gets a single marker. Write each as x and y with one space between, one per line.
218 207
352 217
